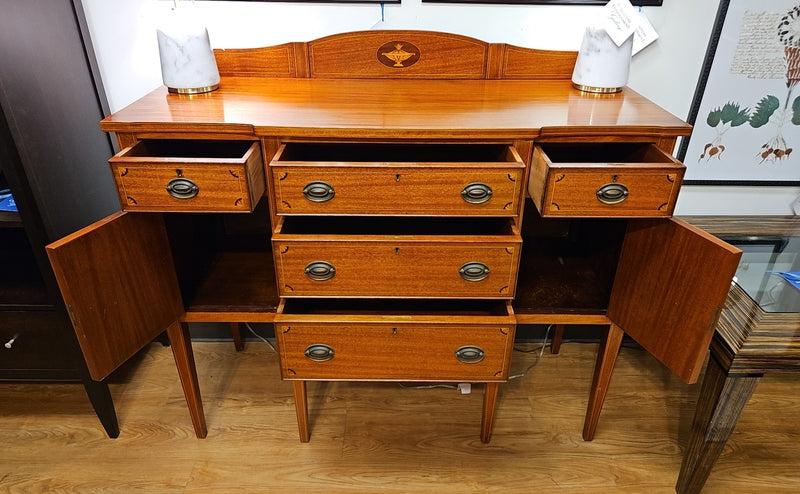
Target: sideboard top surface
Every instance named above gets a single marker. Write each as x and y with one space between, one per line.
443 85
396 108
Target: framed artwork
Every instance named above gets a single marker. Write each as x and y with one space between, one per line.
322 1
654 3
746 109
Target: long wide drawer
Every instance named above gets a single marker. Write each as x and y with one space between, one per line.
397 264
392 179
440 341
189 175
604 180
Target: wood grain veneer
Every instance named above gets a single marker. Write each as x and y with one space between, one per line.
228 175
397 179
401 350
566 179
394 109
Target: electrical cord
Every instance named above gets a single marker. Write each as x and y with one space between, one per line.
250 328
540 349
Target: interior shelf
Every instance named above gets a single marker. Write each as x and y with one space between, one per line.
224 266
237 282
567 265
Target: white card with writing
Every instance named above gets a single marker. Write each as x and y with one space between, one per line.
644 35
620 20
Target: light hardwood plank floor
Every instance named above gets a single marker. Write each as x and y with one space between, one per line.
381 437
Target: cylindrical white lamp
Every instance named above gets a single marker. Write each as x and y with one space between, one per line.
187 61
602 66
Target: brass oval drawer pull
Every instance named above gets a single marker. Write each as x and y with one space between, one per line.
182 188
320 270
318 191
319 352
476 193
470 354
612 193
474 271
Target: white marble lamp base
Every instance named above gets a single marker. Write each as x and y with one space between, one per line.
188 65
602 66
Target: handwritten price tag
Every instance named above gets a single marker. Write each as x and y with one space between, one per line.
644 35
620 20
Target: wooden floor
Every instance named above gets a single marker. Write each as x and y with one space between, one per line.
384 437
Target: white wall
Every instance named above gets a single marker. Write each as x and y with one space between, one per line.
123 35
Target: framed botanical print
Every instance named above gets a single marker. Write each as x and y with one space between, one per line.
746 109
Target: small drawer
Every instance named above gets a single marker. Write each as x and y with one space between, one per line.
35 341
465 340
392 179
189 175
396 257
604 180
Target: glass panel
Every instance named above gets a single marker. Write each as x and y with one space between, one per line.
763 258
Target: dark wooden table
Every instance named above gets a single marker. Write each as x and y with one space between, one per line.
758 332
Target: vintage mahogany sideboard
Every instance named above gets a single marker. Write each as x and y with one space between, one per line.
383 177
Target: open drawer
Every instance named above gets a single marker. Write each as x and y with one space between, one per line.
397 179
413 340
189 175
396 257
604 180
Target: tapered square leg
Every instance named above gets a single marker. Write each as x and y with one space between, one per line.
236 335
184 360
604 367
489 407
301 408
558 337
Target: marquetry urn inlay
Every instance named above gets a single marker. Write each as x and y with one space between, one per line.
398 54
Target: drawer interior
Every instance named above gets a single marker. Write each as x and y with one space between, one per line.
189 148
395 307
396 153
605 152
367 225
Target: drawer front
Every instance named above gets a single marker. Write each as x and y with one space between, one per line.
176 183
35 340
433 179
396 268
395 351
613 192
604 180
413 190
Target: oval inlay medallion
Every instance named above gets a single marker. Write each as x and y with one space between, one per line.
398 54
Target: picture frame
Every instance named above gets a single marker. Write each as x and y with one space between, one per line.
355 2
746 107
637 3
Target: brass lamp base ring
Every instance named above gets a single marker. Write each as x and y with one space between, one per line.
193 90
597 90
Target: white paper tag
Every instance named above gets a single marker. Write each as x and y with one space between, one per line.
620 20
644 35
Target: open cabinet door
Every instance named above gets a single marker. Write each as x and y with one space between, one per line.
119 285
671 283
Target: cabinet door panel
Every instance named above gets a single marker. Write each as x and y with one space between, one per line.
119 284
671 282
